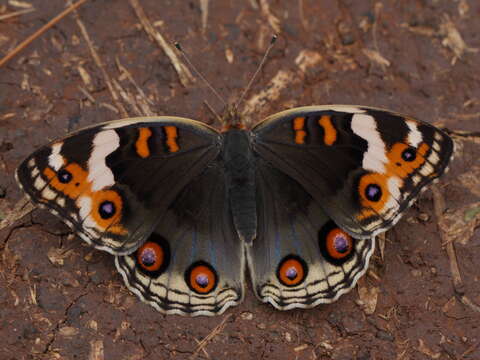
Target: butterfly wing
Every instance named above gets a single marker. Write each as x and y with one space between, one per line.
112 182
364 166
193 264
300 257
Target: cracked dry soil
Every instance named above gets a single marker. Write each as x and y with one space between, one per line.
59 299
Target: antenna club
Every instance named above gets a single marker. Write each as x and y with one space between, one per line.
274 38
178 46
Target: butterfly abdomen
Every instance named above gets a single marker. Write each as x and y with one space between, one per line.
240 182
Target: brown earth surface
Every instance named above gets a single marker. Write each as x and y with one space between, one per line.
59 299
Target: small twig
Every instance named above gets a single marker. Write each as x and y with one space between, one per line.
21 208
145 105
377 9
186 77
204 11
16 13
98 62
272 19
467 116
469 350
87 94
301 13
40 31
217 330
467 302
128 98
439 208
207 355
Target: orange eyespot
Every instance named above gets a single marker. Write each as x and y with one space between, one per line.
107 210
339 243
292 271
153 257
201 278
336 245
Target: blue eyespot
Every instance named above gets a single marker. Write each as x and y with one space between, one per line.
341 244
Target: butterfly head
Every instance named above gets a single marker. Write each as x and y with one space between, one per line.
231 119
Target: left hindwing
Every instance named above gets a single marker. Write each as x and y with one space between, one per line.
364 166
193 264
111 183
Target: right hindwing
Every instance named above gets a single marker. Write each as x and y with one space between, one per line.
300 257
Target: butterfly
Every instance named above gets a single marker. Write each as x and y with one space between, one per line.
297 199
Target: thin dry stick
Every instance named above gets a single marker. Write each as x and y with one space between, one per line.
302 15
204 11
21 208
439 208
203 350
128 99
99 63
186 77
16 13
40 31
145 102
217 330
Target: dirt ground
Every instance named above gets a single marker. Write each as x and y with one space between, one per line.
59 299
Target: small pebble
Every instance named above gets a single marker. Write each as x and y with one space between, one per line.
288 337
246 315
416 273
424 217
261 326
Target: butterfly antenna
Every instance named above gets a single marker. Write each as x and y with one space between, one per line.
179 47
272 42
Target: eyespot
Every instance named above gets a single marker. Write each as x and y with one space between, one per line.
201 278
292 270
106 209
153 256
64 176
109 208
409 154
373 192
336 245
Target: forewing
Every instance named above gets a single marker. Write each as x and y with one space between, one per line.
363 166
111 183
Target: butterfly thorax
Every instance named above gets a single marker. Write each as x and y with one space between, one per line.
240 182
